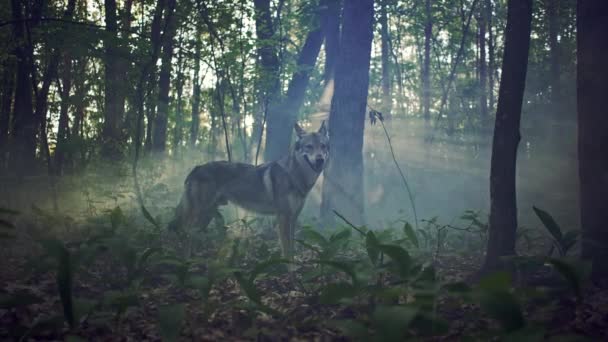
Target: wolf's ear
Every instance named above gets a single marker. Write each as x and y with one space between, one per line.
323 129
300 132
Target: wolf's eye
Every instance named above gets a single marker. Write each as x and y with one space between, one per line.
323 147
309 147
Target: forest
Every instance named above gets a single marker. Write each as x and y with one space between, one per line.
274 170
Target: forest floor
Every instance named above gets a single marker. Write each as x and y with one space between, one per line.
31 309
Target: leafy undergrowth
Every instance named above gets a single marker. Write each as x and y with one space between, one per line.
117 276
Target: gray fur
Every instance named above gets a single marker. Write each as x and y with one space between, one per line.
276 188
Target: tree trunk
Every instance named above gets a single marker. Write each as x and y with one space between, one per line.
147 81
330 24
23 147
553 21
283 116
491 55
159 136
114 97
63 129
592 72
386 74
503 206
196 90
6 100
483 70
179 85
426 66
268 80
343 181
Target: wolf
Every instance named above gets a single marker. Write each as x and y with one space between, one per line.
276 188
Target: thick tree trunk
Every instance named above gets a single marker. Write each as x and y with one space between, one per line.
282 116
330 24
159 136
63 129
66 87
23 147
147 80
343 181
196 91
483 69
592 73
268 79
386 74
503 207
6 100
491 54
426 66
179 85
114 97
553 21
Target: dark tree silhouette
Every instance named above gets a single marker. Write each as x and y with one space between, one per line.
283 115
592 53
503 207
343 184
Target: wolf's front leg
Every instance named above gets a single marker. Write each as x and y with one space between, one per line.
284 231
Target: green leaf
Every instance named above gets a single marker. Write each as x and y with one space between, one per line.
120 301
528 334
352 329
411 234
391 322
7 224
333 293
549 223
504 307
399 256
5 211
18 299
569 239
497 281
64 277
342 266
170 318
263 266
117 217
574 275
314 237
371 245
248 288
149 217
342 235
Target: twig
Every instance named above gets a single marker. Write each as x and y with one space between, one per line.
390 145
349 223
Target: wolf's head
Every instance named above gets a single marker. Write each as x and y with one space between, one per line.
312 149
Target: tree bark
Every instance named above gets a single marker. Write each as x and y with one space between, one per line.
386 74
343 181
23 147
65 89
426 66
283 115
179 85
553 21
503 206
6 100
159 137
592 72
113 106
268 79
483 69
491 54
330 24
196 90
